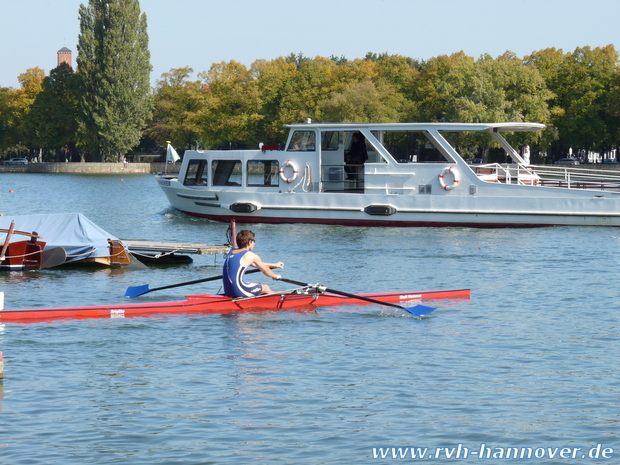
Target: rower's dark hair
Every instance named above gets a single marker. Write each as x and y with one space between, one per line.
244 237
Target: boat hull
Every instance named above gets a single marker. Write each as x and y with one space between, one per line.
433 220
569 212
23 255
218 304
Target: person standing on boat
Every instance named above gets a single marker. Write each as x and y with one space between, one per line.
236 263
357 156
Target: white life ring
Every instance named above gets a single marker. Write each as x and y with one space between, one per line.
455 175
286 164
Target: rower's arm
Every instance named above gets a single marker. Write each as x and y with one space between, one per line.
266 267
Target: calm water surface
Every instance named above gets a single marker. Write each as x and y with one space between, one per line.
531 361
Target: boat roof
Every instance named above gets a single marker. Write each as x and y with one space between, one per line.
457 127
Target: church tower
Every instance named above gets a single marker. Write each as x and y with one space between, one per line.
64 56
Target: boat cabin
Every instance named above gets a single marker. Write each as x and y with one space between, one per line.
314 159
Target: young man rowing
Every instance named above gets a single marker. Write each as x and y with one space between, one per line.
236 263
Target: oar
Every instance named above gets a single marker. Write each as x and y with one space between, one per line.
55 256
418 310
136 291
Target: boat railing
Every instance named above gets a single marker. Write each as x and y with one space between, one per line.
337 178
550 176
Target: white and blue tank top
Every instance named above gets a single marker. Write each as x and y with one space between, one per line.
233 274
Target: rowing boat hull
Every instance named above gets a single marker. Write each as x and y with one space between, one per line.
219 304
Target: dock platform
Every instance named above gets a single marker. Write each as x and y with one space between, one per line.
171 248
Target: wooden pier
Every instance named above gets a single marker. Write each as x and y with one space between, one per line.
167 248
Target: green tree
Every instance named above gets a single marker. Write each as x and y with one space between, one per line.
399 71
314 81
437 83
461 89
363 102
114 67
486 90
52 120
15 105
10 120
178 101
4 118
584 82
275 80
354 71
613 109
232 102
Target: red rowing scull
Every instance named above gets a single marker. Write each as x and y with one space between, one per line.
219 304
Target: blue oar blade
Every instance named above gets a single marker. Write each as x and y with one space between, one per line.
135 291
419 310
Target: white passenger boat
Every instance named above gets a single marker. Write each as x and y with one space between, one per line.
416 175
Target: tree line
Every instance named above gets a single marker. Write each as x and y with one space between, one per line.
106 109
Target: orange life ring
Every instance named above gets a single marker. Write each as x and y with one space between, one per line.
287 164
455 175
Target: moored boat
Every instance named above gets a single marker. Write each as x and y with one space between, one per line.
303 298
70 238
22 255
416 174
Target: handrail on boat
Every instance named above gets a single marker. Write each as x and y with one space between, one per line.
549 176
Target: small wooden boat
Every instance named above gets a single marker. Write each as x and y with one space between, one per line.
21 255
301 298
70 239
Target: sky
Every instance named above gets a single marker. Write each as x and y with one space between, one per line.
198 33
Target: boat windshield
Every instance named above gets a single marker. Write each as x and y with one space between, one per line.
412 147
330 141
196 175
476 145
302 141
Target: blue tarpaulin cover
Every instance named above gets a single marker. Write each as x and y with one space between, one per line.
80 237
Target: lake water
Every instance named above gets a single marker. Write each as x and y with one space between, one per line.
528 365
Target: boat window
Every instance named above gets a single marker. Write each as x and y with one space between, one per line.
411 147
263 172
196 174
226 172
330 140
471 145
302 141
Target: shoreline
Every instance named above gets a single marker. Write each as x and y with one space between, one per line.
91 168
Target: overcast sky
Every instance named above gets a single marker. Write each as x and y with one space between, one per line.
198 33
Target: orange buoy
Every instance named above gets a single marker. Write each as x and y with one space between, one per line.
11 191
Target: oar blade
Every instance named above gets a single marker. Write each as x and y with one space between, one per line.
136 291
53 257
420 310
